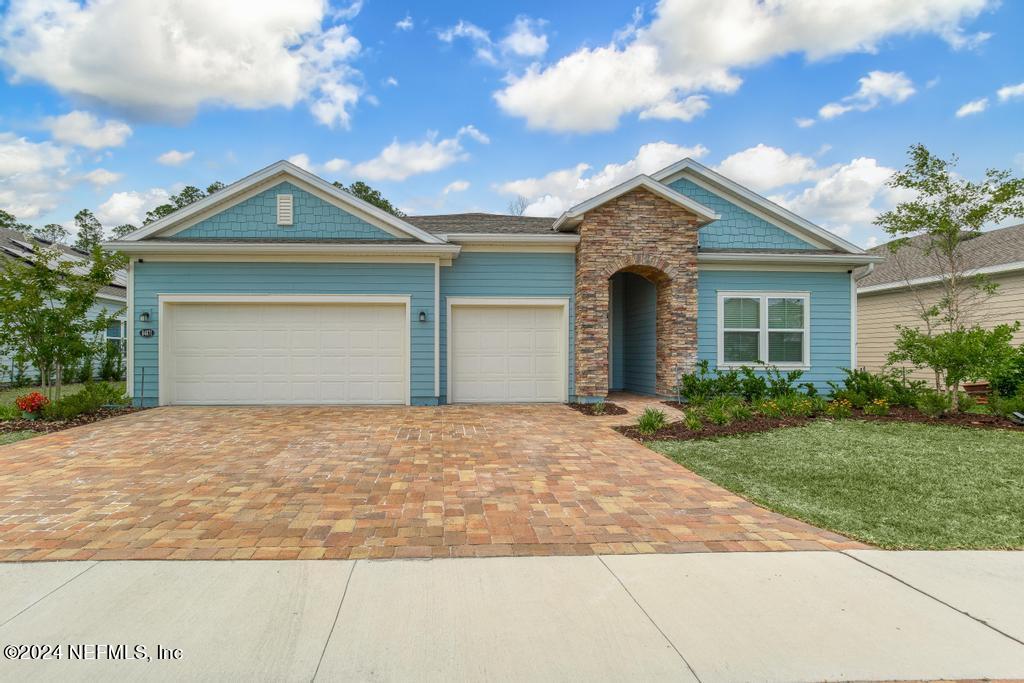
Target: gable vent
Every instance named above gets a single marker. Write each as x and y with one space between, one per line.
284 209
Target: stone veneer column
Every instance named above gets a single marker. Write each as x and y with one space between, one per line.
641 233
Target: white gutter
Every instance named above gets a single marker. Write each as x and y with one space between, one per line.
152 247
932 279
496 238
753 257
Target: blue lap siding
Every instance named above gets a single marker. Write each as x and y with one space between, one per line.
508 275
408 279
830 314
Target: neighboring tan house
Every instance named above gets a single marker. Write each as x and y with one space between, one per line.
281 288
110 299
891 294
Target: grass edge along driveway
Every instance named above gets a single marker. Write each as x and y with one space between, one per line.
894 485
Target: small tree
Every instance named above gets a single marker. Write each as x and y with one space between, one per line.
55 233
188 195
946 212
90 232
517 206
121 230
44 310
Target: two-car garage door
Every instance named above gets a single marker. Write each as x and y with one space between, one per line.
277 353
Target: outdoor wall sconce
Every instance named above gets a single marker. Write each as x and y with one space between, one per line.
423 316
144 316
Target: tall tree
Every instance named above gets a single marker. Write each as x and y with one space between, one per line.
368 194
122 230
188 195
90 232
45 310
9 222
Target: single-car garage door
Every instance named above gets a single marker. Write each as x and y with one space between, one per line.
274 353
508 353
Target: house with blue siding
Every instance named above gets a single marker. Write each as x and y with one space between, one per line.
283 289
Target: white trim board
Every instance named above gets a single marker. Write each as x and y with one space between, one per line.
763 330
470 301
286 248
269 176
163 300
575 214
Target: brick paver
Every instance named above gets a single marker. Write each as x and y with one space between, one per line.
343 482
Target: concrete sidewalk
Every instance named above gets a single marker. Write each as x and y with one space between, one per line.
711 617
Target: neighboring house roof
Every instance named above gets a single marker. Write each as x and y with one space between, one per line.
573 216
16 245
734 192
276 172
993 251
483 224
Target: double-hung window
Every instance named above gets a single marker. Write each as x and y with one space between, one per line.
762 327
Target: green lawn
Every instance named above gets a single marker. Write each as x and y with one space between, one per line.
11 437
894 485
8 395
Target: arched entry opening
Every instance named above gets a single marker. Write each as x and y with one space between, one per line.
633 296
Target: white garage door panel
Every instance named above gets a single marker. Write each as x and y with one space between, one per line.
507 353
285 353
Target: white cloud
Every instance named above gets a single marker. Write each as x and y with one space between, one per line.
686 109
1010 91
32 175
551 194
165 60
404 24
85 130
526 39
19 155
764 168
173 157
100 177
872 241
972 107
302 161
392 81
480 38
456 186
876 87
692 46
335 165
399 160
130 207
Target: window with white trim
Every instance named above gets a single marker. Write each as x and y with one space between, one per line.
764 327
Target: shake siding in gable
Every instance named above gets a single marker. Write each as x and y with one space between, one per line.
508 275
256 218
830 314
408 279
737 228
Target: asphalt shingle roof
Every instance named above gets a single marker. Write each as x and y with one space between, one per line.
483 224
991 248
14 244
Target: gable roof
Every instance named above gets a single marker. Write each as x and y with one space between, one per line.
733 191
16 245
574 215
993 251
266 177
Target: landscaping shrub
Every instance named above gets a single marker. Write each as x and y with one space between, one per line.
598 408
795 405
782 384
839 409
9 411
861 387
768 407
1008 380
748 383
704 384
650 421
92 397
692 421
32 402
718 414
966 403
753 387
934 403
84 373
1006 406
878 407
742 412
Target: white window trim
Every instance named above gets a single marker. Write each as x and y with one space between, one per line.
471 301
762 331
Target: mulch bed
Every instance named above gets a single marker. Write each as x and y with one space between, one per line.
47 426
677 431
588 409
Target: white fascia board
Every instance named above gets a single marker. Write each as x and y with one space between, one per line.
934 279
288 169
498 238
111 297
810 257
442 250
689 166
645 182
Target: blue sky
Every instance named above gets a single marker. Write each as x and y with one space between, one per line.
461 106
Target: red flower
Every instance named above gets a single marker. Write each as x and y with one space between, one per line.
31 403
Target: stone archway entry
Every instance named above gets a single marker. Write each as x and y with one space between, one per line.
645 235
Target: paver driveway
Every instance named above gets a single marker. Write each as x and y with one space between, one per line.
341 482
